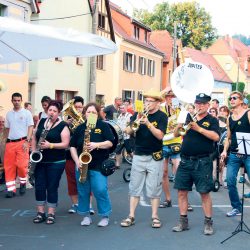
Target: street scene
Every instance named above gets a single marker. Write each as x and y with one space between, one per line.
124 125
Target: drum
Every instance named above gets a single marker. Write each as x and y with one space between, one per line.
118 134
222 141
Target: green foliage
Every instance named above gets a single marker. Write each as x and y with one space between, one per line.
241 87
248 98
194 26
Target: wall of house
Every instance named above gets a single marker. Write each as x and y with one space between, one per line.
47 76
14 77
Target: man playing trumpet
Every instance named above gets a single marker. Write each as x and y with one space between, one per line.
147 159
196 164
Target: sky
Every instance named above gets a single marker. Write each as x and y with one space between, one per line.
228 17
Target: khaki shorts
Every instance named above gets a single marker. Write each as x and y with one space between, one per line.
145 170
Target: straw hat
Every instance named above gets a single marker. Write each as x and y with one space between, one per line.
153 94
169 93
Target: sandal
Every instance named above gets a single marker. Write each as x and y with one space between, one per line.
40 217
156 223
50 219
129 221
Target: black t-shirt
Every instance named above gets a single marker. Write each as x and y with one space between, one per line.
53 136
194 143
102 132
109 111
145 142
240 125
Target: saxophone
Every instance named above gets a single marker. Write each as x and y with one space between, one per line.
85 157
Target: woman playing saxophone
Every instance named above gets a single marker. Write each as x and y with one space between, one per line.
94 143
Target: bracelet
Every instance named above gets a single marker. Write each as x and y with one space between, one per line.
51 145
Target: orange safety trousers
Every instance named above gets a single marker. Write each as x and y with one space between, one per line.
15 163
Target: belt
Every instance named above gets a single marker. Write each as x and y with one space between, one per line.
15 140
196 157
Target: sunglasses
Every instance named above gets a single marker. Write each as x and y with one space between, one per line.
233 98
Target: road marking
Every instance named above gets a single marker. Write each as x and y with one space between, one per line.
23 236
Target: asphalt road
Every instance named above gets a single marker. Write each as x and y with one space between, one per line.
17 231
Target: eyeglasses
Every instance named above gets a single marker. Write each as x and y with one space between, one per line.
233 98
150 101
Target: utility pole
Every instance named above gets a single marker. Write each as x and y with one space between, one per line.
92 80
174 46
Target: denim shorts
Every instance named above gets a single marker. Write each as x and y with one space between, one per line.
167 153
198 171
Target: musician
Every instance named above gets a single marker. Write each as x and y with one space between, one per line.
45 104
19 125
196 164
238 121
147 160
101 139
70 164
168 154
49 170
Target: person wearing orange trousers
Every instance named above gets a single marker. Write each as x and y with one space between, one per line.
19 125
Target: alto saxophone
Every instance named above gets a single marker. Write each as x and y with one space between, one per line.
85 157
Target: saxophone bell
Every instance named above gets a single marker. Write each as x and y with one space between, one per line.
85 158
36 156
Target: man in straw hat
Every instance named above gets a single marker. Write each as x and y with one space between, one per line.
147 159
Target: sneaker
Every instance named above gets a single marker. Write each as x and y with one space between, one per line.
103 222
190 208
10 194
91 211
86 221
73 209
171 178
234 212
242 180
166 203
208 227
22 189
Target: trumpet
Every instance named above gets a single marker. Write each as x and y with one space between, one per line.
136 124
183 130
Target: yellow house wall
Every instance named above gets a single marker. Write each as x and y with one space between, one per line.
112 80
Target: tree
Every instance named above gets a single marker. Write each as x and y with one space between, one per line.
194 26
240 87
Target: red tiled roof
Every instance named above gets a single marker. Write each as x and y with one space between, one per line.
162 40
232 47
208 60
123 25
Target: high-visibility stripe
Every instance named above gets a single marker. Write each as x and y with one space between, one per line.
12 188
9 183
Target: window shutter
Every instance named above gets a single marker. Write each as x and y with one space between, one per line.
134 63
124 61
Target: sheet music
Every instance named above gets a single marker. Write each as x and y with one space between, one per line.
246 136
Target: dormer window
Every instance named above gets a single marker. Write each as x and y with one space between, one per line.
146 36
136 32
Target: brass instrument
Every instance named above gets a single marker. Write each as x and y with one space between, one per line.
70 111
183 130
36 156
85 157
136 124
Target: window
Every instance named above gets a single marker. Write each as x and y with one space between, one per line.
151 67
128 94
146 36
101 21
129 62
100 100
136 32
64 95
79 61
139 95
3 8
100 62
142 65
